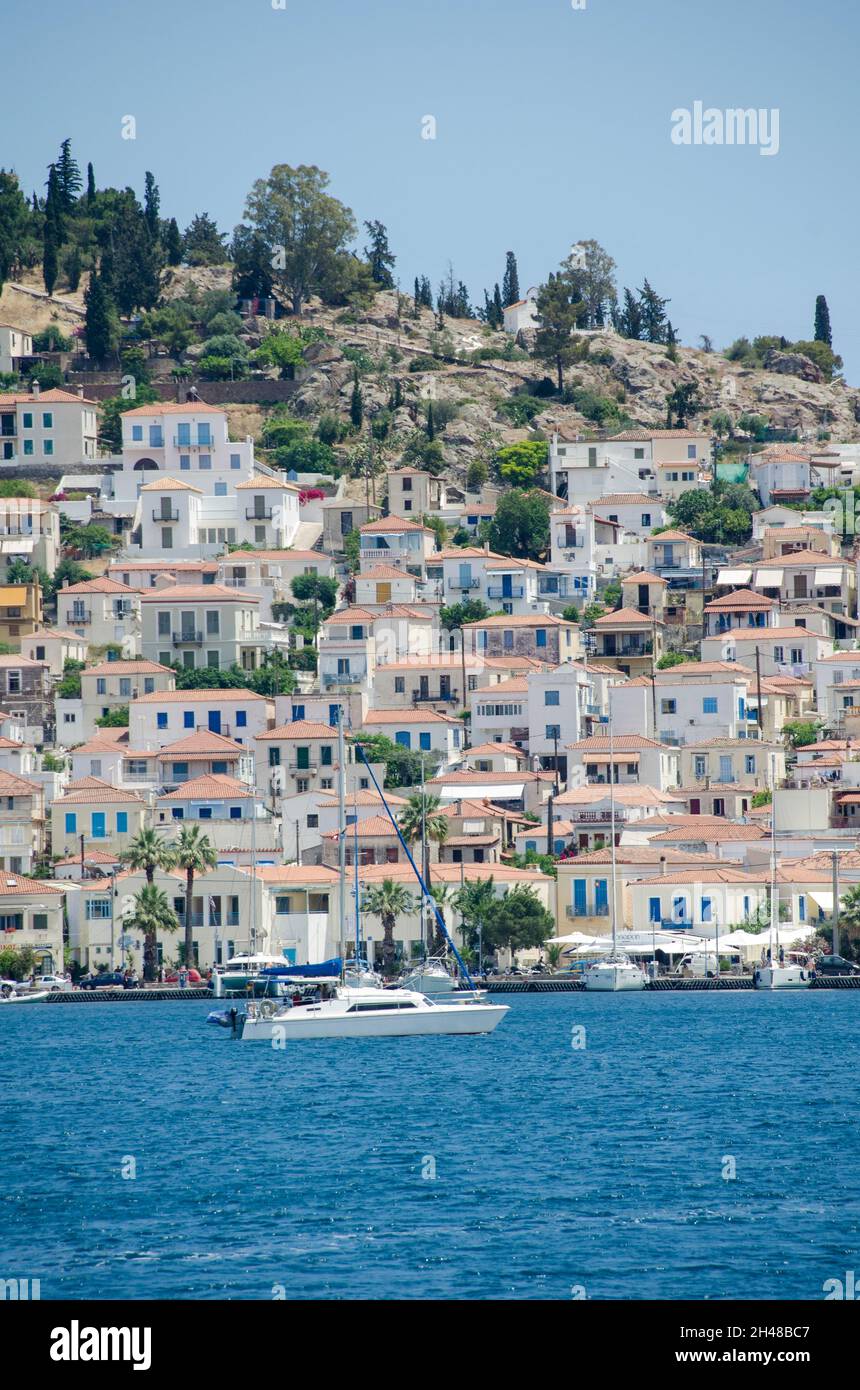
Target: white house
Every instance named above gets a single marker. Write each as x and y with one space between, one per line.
522 314
200 625
56 427
167 715
103 611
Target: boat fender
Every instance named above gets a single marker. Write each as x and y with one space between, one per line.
756 978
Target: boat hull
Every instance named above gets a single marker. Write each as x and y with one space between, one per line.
614 979
313 1022
781 977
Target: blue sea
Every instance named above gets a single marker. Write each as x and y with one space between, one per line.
147 1154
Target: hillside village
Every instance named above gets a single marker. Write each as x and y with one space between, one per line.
241 542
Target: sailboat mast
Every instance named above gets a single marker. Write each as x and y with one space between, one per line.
773 908
612 831
357 888
253 911
341 839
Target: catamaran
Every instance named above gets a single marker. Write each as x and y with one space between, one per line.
616 972
323 1008
777 974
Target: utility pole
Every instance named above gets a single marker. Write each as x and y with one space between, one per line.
653 673
550 827
758 690
465 706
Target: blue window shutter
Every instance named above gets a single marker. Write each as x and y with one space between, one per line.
654 913
188 719
601 897
71 823
121 822
579 908
404 738
424 742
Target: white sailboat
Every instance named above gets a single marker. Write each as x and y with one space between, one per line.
322 1008
616 972
775 973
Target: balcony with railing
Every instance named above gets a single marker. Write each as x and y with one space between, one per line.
426 697
167 514
298 769
258 513
190 638
499 591
80 617
464 583
609 649
197 443
332 678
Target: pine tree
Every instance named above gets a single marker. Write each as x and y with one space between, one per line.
511 281
50 249
99 325
653 314
557 314
416 294
151 203
379 255
68 176
133 262
356 404
822 322
173 242
14 222
91 184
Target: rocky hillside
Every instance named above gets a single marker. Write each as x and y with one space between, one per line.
469 371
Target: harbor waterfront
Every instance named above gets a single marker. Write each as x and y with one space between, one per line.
147 1156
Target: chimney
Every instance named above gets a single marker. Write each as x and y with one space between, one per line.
80 393
663 865
34 387
486 547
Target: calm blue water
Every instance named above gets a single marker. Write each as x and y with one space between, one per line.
555 1167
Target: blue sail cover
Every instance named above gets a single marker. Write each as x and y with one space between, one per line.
328 967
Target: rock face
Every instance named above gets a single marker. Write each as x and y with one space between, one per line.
792 364
469 371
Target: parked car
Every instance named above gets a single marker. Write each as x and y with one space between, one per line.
109 979
194 976
836 965
52 983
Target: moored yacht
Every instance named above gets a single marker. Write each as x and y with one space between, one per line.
341 1012
617 971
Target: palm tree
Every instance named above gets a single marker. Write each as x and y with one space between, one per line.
146 853
388 902
151 914
422 806
194 853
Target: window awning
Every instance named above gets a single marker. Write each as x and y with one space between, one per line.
828 576
734 576
824 900
16 545
499 791
769 579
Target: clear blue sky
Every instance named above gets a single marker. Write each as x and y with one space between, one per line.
553 125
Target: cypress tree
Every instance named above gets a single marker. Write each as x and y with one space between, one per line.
98 325
173 242
91 184
431 428
49 255
511 281
54 204
356 404
151 203
822 322
498 307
